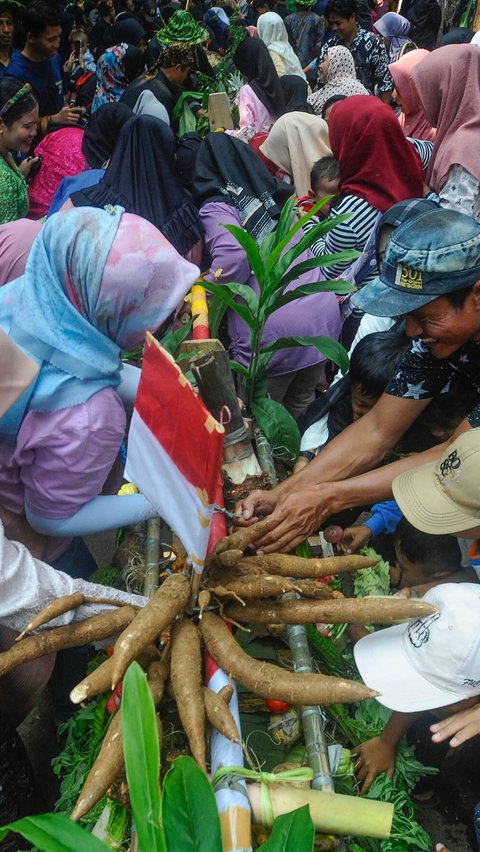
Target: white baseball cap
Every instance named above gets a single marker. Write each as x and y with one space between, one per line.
430 662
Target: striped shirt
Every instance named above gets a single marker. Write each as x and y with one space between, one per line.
352 234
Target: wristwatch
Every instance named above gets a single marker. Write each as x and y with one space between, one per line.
307 454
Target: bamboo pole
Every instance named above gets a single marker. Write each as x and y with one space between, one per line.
312 720
152 557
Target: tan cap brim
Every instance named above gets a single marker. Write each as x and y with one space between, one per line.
424 504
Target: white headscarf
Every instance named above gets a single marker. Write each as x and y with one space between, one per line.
341 79
476 39
296 141
272 31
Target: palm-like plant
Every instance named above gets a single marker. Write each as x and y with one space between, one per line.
273 264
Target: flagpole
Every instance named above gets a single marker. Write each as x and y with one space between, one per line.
232 802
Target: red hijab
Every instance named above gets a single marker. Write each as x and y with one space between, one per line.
375 160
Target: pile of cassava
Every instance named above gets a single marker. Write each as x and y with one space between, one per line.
167 634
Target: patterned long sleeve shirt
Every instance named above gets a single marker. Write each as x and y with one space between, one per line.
370 59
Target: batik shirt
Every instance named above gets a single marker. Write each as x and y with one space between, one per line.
307 31
370 60
421 376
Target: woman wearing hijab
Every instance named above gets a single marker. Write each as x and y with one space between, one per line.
294 144
117 68
142 177
98 142
295 92
412 118
218 25
260 100
94 282
394 30
448 85
130 31
273 32
232 186
377 167
337 71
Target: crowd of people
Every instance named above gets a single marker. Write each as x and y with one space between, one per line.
111 203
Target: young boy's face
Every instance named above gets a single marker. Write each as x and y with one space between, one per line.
409 573
325 187
361 402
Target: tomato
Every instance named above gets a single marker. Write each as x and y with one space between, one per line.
333 534
277 706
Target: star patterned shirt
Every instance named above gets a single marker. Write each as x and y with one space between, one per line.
370 58
421 376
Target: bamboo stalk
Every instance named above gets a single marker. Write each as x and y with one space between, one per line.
152 557
340 815
312 721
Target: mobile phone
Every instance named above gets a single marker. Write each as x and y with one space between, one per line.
76 48
36 167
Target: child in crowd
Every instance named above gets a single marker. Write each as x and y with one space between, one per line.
373 361
79 57
430 664
324 180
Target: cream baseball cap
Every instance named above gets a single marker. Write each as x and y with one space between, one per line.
444 496
430 662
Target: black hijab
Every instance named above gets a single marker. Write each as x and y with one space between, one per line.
142 178
129 31
228 170
102 132
295 92
255 63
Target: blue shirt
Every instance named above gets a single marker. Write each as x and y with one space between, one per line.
45 78
72 183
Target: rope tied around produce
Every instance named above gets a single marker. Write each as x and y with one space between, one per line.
229 775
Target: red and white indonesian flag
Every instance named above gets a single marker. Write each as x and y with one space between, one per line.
175 450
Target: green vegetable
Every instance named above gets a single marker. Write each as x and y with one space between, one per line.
329 657
372 581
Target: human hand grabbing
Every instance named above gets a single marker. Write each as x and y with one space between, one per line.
295 516
27 165
256 505
354 538
67 115
374 757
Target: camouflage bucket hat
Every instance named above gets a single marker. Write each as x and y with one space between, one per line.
182 28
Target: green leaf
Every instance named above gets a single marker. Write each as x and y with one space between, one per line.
332 349
225 294
278 425
142 759
308 239
216 312
54 833
265 247
190 811
173 339
239 368
292 832
187 122
326 259
251 250
298 223
287 217
340 287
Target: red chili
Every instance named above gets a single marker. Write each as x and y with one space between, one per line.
115 698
